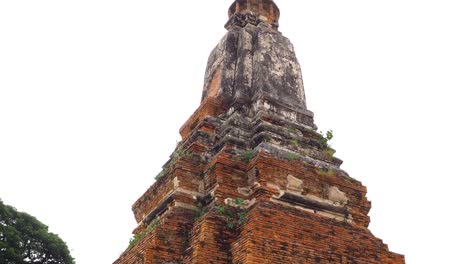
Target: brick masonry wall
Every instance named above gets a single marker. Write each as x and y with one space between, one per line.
274 231
253 181
282 234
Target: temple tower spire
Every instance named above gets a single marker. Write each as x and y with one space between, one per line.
252 181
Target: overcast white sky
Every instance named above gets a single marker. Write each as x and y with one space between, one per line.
93 92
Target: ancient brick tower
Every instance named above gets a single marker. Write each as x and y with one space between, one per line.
252 181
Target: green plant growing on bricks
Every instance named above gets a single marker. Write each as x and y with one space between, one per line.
161 174
137 237
247 155
326 138
199 213
180 154
233 215
176 155
292 130
329 152
292 156
294 142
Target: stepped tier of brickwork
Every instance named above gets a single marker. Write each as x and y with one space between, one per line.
252 181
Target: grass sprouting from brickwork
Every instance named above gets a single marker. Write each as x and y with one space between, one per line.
234 216
137 237
247 155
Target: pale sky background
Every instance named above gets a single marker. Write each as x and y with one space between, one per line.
93 93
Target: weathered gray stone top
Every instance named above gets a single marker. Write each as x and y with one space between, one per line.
254 60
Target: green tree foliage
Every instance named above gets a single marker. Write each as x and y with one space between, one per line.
23 239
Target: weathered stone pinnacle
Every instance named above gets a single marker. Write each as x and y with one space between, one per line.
266 10
254 60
